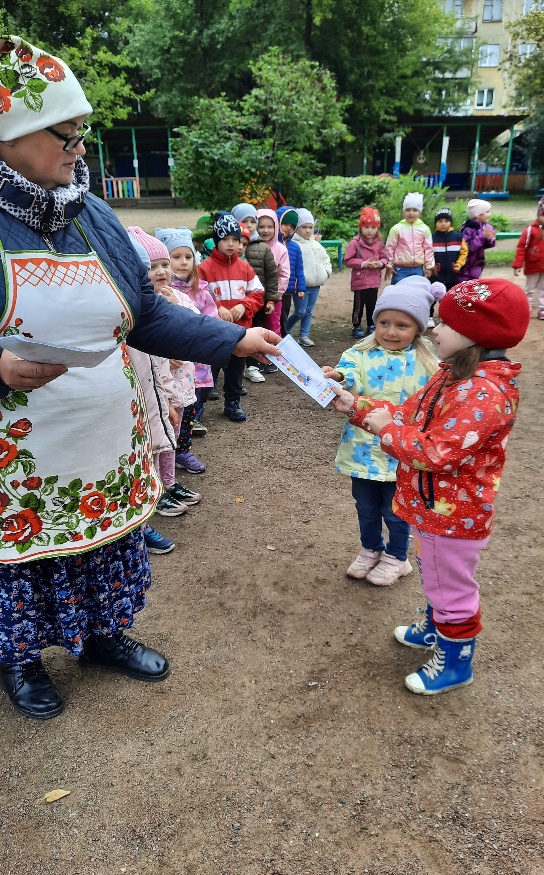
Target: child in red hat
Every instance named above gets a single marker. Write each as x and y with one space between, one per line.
530 256
366 257
450 439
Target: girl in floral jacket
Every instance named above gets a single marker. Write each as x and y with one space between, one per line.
450 439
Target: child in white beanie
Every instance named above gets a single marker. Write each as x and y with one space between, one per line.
317 270
409 246
478 235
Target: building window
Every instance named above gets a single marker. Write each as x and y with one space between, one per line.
457 7
492 10
529 5
489 56
485 98
526 49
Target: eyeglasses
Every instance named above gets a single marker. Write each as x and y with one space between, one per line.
70 141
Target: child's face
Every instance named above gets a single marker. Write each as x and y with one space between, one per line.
160 273
540 219
484 217
395 329
305 231
411 215
448 341
244 243
443 225
251 223
368 232
286 229
182 262
266 229
229 246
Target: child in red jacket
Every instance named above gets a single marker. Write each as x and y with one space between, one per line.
238 295
530 256
450 439
366 257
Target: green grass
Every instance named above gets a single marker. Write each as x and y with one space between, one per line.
500 256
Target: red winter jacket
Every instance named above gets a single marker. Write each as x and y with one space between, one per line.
530 250
451 444
233 281
359 251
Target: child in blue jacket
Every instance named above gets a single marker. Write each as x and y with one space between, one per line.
288 219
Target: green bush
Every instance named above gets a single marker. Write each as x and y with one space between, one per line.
500 222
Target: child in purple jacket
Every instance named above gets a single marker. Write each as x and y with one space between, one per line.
479 235
366 257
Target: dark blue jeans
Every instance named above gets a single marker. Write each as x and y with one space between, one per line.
373 500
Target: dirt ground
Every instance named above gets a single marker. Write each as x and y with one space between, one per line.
285 742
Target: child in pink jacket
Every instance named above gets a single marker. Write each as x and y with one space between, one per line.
409 245
268 229
366 257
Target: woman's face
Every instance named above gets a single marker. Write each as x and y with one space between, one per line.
40 158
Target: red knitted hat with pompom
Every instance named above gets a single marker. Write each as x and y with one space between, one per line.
492 312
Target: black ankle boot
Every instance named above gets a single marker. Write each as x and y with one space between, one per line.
31 690
125 655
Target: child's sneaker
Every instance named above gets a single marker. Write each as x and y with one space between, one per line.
157 543
170 506
431 323
234 412
422 632
190 462
253 374
357 331
365 562
306 341
540 315
198 429
182 494
388 570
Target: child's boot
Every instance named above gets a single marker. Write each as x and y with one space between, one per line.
422 632
449 668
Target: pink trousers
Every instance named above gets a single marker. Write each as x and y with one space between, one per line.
167 459
272 320
447 567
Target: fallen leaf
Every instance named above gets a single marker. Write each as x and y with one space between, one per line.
53 795
270 547
239 500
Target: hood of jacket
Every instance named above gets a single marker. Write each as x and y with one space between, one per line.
270 214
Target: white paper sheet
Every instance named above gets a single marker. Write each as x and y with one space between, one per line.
296 364
48 353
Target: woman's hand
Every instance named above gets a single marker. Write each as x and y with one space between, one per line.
237 312
225 314
25 376
256 343
344 400
377 419
331 374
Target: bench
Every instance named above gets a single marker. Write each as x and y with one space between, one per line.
507 235
334 244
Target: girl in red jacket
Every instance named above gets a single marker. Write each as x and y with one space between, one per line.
530 256
450 439
366 257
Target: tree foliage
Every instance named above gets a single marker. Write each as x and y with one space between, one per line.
527 76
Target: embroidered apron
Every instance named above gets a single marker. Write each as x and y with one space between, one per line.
76 466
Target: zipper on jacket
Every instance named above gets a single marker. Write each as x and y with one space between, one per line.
48 241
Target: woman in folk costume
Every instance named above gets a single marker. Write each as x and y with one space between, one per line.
76 472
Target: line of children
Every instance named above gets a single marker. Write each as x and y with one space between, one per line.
530 256
238 294
450 440
366 257
317 270
388 366
478 235
409 246
161 382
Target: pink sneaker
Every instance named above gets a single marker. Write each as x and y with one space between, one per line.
365 562
388 570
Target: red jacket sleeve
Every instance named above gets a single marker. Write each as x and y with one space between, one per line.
521 248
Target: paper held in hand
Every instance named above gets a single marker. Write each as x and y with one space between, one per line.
49 354
302 370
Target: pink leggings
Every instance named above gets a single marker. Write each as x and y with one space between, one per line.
167 459
447 567
272 320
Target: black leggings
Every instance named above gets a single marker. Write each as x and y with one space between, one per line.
363 298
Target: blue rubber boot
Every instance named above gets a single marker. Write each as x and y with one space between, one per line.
422 632
449 668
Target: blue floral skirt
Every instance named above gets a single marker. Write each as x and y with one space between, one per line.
64 600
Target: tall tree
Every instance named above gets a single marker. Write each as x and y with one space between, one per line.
526 68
